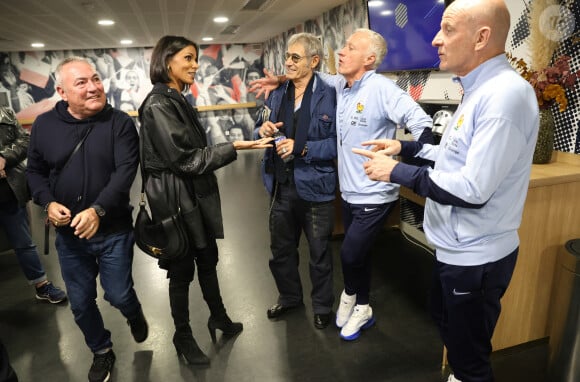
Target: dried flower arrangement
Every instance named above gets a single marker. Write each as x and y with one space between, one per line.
551 82
549 78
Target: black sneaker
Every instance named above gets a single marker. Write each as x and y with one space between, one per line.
139 327
101 367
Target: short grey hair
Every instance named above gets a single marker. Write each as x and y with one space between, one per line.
311 43
378 45
68 60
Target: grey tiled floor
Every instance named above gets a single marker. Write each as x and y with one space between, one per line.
45 344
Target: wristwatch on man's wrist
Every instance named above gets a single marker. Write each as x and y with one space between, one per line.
99 210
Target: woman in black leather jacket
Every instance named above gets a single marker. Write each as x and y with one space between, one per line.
179 165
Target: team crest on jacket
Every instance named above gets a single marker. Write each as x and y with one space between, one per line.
459 122
359 107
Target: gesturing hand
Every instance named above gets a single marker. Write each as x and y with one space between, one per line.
384 146
379 166
250 145
264 85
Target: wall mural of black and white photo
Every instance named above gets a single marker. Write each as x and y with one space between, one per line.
27 78
27 83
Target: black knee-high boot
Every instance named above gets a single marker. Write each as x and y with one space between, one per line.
185 345
210 289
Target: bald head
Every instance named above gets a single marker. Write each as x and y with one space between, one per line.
472 32
487 14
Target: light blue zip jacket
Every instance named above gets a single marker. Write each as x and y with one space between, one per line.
371 109
477 189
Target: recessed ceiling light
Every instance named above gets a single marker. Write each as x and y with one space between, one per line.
126 42
221 19
386 13
207 39
106 22
374 3
37 45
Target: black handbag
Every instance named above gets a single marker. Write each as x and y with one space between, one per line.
163 240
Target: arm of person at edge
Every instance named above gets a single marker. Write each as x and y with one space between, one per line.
177 150
126 154
270 82
15 152
477 181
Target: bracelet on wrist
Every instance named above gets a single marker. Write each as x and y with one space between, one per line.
46 207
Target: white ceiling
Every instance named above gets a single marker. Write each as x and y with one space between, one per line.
72 24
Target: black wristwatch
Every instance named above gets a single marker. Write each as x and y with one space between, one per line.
99 210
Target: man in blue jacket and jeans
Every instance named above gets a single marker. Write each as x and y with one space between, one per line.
300 175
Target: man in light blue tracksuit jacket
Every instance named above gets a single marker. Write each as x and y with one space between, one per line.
477 189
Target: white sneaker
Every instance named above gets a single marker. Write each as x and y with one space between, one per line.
345 307
361 318
452 378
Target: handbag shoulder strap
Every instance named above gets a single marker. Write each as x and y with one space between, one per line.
141 167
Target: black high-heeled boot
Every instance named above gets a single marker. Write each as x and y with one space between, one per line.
225 324
210 289
188 350
185 345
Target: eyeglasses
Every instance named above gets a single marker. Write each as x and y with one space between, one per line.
295 57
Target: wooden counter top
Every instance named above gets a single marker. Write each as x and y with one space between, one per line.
564 168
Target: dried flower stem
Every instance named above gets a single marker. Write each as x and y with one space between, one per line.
541 47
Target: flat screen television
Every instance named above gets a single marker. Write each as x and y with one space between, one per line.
408 26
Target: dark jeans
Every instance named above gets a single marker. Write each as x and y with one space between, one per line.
362 223
465 304
289 217
14 221
81 261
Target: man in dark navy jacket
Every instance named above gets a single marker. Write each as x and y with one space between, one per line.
82 159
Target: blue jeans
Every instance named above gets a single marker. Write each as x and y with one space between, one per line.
81 261
14 220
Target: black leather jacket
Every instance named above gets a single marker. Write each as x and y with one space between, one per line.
174 149
13 147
